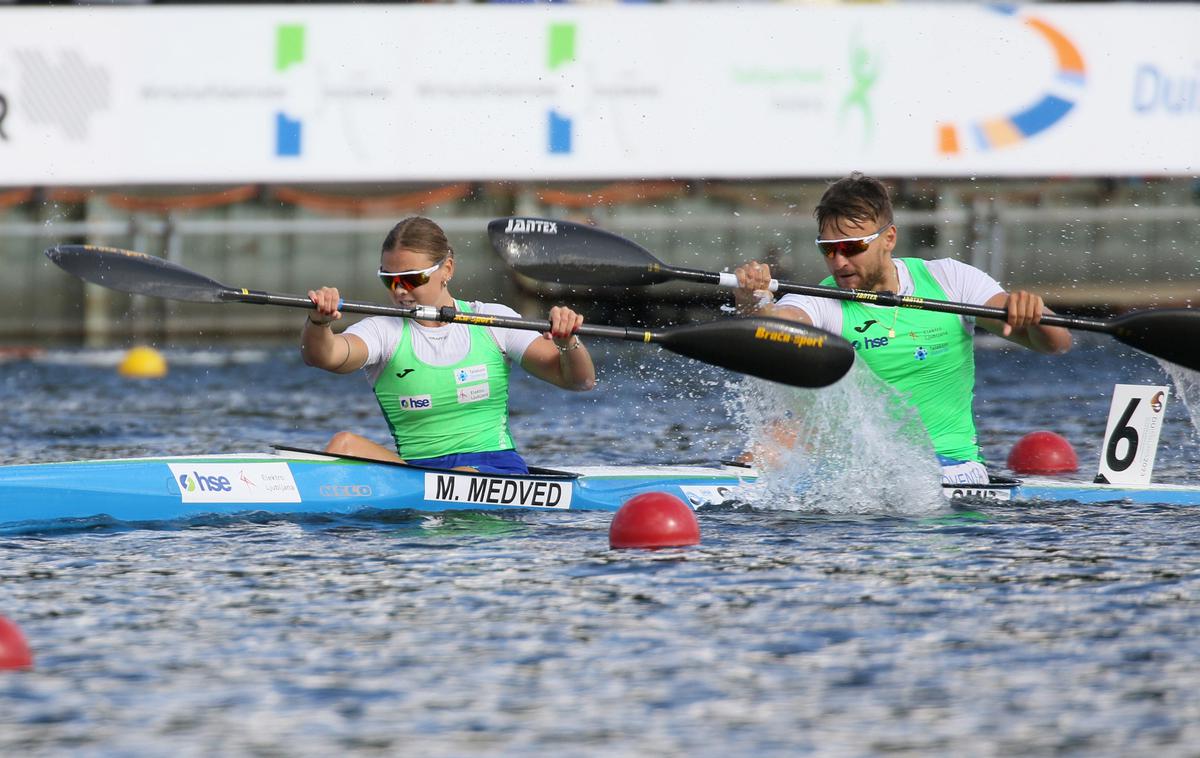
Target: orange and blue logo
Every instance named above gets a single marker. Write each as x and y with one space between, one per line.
1004 131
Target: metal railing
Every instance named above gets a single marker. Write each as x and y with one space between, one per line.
1111 257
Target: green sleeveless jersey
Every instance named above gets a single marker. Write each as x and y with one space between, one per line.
442 410
927 356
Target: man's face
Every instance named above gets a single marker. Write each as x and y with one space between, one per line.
866 270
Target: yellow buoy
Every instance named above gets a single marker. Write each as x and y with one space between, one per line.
143 363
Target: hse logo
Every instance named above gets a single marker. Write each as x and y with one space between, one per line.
289 51
799 340
415 403
869 343
196 482
1066 81
531 225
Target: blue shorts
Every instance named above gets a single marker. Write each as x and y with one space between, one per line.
497 462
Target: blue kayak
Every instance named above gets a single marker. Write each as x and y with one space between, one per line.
292 480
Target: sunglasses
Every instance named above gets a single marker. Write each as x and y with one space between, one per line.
850 246
409 280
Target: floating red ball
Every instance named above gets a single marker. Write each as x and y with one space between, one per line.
1042 452
14 650
654 519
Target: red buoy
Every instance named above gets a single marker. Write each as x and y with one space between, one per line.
1042 452
654 519
14 650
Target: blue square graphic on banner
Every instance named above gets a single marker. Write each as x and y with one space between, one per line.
560 133
287 135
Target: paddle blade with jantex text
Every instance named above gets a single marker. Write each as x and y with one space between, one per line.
769 348
567 253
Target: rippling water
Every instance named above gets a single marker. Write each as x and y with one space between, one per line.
1064 629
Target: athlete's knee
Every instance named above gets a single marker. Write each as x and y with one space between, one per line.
342 443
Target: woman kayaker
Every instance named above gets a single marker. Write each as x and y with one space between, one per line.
443 388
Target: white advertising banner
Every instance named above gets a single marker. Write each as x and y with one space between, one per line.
92 95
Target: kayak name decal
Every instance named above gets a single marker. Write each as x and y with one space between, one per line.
985 493
534 225
473 489
778 335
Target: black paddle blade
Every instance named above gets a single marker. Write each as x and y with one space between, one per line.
569 253
769 348
1172 334
137 273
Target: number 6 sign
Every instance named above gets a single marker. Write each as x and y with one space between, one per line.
1131 437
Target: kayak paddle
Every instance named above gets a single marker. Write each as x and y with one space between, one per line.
569 253
768 348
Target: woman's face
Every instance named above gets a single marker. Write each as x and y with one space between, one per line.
428 293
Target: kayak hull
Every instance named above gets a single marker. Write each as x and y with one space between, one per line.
169 488
293 481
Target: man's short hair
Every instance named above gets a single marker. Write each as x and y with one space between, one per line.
854 198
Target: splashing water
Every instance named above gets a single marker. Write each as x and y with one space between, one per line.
854 448
1187 388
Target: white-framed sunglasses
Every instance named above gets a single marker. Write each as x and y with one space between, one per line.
850 246
409 280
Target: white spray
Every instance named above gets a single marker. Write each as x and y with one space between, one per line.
854 448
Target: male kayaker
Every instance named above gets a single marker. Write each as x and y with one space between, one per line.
443 388
925 355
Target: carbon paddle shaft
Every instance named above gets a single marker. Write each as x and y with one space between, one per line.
1172 334
770 349
444 314
570 253
773 349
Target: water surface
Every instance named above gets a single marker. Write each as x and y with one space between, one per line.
1062 629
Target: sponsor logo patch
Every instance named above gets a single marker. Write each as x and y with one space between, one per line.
235 482
415 402
474 393
470 374
869 343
